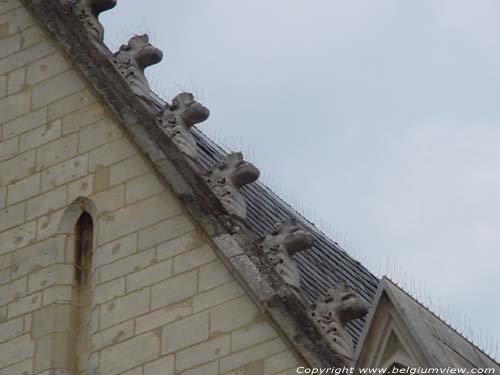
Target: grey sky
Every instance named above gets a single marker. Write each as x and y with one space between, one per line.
382 116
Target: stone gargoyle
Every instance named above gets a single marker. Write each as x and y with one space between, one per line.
333 311
287 239
133 58
179 117
88 12
226 180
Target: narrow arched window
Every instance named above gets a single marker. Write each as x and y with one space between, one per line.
84 233
83 250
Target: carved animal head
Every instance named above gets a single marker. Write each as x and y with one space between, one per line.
290 236
133 58
139 52
184 109
228 178
332 312
236 171
88 12
179 117
343 303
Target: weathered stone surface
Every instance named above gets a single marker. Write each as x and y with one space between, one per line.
226 180
88 12
179 117
287 239
185 332
133 58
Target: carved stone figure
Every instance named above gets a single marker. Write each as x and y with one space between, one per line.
179 117
228 178
133 58
88 12
332 312
287 239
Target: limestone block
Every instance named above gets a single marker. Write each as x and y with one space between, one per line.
9 148
82 117
109 200
212 275
50 319
16 81
163 366
164 231
84 187
24 367
16 350
55 274
25 56
23 189
143 187
4 276
57 294
9 45
62 173
126 220
49 224
279 362
5 261
7 5
217 296
202 353
127 169
19 19
31 36
25 123
56 87
15 105
232 315
108 291
173 290
211 368
115 250
126 355
162 316
46 203
179 245
45 68
149 276
252 354
17 168
11 291
40 136
12 216
24 305
11 329
70 103
37 256
3 83
51 352
3 197
252 335
128 265
97 134
124 308
111 153
193 259
56 151
112 336
185 332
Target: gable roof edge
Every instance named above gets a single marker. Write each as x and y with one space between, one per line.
236 248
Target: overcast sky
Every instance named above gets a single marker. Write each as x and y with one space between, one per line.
382 116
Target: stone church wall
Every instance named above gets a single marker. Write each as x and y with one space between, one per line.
161 300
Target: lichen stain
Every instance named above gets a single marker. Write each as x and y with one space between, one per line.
116 248
111 306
